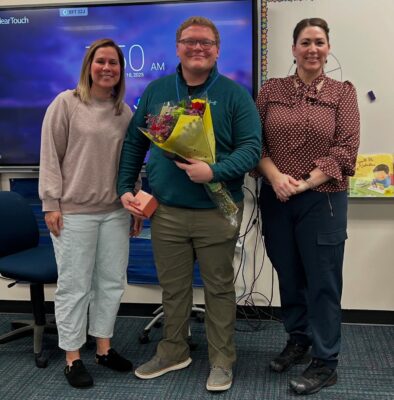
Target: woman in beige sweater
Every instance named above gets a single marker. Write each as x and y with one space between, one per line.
82 135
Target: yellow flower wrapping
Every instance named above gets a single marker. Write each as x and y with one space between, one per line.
186 139
194 137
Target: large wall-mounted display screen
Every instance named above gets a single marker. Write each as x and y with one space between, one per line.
42 50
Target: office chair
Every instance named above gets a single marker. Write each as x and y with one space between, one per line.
156 322
22 260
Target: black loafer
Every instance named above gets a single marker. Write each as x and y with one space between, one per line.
114 361
77 375
314 378
291 355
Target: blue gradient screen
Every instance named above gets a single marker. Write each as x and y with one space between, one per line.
42 51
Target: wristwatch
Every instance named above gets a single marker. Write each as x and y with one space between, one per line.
308 179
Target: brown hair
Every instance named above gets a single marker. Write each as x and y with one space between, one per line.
382 167
319 22
85 79
202 21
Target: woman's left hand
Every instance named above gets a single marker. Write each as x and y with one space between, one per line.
302 186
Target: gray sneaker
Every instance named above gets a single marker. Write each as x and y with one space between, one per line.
219 379
158 366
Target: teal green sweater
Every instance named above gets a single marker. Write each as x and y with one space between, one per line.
238 142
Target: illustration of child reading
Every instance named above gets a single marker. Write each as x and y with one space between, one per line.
382 178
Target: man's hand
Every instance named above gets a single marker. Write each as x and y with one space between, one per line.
128 201
198 171
54 222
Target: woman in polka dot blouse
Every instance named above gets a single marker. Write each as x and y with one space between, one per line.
311 127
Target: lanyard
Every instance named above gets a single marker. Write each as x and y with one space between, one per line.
203 94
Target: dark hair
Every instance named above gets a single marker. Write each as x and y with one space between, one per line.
201 21
319 22
85 80
382 167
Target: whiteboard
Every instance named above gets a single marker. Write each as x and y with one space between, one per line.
362 43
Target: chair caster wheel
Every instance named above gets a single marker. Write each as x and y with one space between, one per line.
41 361
144 338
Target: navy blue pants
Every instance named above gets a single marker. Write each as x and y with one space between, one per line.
305 240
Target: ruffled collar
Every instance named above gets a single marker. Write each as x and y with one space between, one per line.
315 82
312 90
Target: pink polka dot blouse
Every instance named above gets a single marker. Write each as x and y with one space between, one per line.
309 126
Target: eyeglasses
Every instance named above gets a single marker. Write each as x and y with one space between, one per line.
205 44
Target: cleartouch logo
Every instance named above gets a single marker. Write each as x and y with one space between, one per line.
14 21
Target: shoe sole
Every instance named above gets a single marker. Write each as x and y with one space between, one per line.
163 371
80 385
220 388
83 386
332 380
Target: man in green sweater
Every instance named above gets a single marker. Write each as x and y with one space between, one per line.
187 225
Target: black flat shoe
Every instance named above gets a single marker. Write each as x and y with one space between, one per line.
77 375
291 355
315 377
114 361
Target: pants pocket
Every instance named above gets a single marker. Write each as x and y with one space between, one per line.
331 238
331 249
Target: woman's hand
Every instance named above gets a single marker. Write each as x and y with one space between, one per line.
130 203
302 186
136 226
54 222
284 186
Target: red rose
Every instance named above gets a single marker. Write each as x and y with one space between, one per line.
197 106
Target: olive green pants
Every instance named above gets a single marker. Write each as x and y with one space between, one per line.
179 237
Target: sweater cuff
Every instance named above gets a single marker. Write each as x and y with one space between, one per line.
215 171
50 205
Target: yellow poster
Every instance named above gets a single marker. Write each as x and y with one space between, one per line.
374 176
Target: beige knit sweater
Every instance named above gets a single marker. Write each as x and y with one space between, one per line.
80 150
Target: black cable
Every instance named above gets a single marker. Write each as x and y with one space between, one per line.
252 313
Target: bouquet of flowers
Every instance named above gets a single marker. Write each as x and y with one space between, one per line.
185 129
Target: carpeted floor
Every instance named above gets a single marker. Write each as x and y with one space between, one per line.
366 368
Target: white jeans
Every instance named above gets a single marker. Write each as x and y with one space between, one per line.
92 254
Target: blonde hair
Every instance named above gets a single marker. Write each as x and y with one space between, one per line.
85 80
202 21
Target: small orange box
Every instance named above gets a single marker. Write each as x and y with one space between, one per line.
148 203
